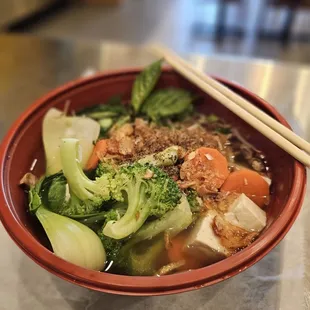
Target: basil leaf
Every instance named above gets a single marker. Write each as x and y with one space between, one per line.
165 103
144 84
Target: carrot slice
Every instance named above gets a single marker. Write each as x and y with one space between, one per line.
215 159
249 183
99 151
207 168
176 253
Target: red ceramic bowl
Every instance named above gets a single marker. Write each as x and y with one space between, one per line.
23 144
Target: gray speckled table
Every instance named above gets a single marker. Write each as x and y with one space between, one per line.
30 66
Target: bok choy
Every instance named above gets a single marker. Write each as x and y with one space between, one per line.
72 241
56 125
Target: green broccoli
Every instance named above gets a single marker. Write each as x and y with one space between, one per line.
194 200
112 247
173 221
91 193
138 255
138 260
71 192
113 214
149 192
57 197
105 167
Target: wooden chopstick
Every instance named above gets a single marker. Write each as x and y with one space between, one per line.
270 128
246 105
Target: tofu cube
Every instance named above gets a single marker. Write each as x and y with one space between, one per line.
203 243
246 214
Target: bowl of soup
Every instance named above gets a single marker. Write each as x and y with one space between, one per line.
136 182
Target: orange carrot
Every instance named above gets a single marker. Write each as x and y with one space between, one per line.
249 183
206 167
99 151
176 253
216 160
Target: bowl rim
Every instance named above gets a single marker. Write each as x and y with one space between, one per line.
129 285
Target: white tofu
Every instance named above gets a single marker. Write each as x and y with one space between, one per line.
246 214
203 243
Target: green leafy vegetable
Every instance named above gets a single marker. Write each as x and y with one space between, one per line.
54 192
167 103
34 197
144 84
112 108
108 114
72 241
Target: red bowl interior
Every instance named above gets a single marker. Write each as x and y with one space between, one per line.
23 144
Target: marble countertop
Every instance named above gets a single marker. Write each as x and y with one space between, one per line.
30 66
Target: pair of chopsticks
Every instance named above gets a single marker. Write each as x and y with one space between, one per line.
269 127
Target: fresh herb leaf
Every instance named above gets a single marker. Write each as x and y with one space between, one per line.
34 197
107 114
144 84
165 103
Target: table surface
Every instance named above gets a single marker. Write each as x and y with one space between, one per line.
30 66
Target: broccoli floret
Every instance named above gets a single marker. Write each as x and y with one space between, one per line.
149 192
138 255
194 200
92 193
137 260
56 196
112 247
71 192
105 168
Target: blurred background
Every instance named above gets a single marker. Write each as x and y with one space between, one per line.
272 29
